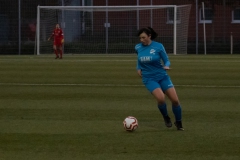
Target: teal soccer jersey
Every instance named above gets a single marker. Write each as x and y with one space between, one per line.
151 60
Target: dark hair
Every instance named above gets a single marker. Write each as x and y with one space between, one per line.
149 31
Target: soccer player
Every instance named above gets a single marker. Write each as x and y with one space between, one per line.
150 55
58 41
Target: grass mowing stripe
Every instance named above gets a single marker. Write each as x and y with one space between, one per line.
109 85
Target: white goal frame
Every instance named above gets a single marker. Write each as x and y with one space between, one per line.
110 8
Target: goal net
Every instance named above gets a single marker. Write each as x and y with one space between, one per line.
112 29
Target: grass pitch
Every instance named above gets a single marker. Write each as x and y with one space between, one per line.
73 109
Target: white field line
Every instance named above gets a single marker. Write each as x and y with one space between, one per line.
110 85
68 60
120 55
51 60
70 55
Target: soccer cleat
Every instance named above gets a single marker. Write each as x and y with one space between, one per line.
60 58
179 126
167 121
57 57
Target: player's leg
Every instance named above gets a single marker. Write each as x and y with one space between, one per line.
157 92
60 51
172 95
176 107
159 95
55 51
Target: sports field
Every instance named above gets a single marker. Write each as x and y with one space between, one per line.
72 109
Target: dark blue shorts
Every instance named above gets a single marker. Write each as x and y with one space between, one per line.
164 84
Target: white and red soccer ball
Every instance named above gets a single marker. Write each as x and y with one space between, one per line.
130 123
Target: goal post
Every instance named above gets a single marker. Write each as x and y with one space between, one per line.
112 29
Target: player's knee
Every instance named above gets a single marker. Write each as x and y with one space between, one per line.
160 101
175 103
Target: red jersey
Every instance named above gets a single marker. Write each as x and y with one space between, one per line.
57 34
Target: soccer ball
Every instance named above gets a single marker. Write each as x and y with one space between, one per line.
130 123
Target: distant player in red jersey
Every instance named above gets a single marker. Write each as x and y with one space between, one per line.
58 41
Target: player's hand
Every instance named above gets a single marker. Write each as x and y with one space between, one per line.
166 68
62 40
49 39
139 72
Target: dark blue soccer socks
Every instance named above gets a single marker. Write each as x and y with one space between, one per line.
177 111
163 109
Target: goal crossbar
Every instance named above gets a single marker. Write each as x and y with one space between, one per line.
108 8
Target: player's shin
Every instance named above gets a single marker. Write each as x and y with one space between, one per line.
60 51
177 111
163 109
56 53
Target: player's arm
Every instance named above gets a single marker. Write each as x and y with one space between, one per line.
51 36
139 70
62 37
165 58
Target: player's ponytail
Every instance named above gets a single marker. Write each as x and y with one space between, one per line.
153 33
149 31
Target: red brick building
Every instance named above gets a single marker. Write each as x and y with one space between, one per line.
221 21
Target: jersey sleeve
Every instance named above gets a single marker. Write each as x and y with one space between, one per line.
138 63
164 56
52 35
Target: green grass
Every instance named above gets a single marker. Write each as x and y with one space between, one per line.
73 109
